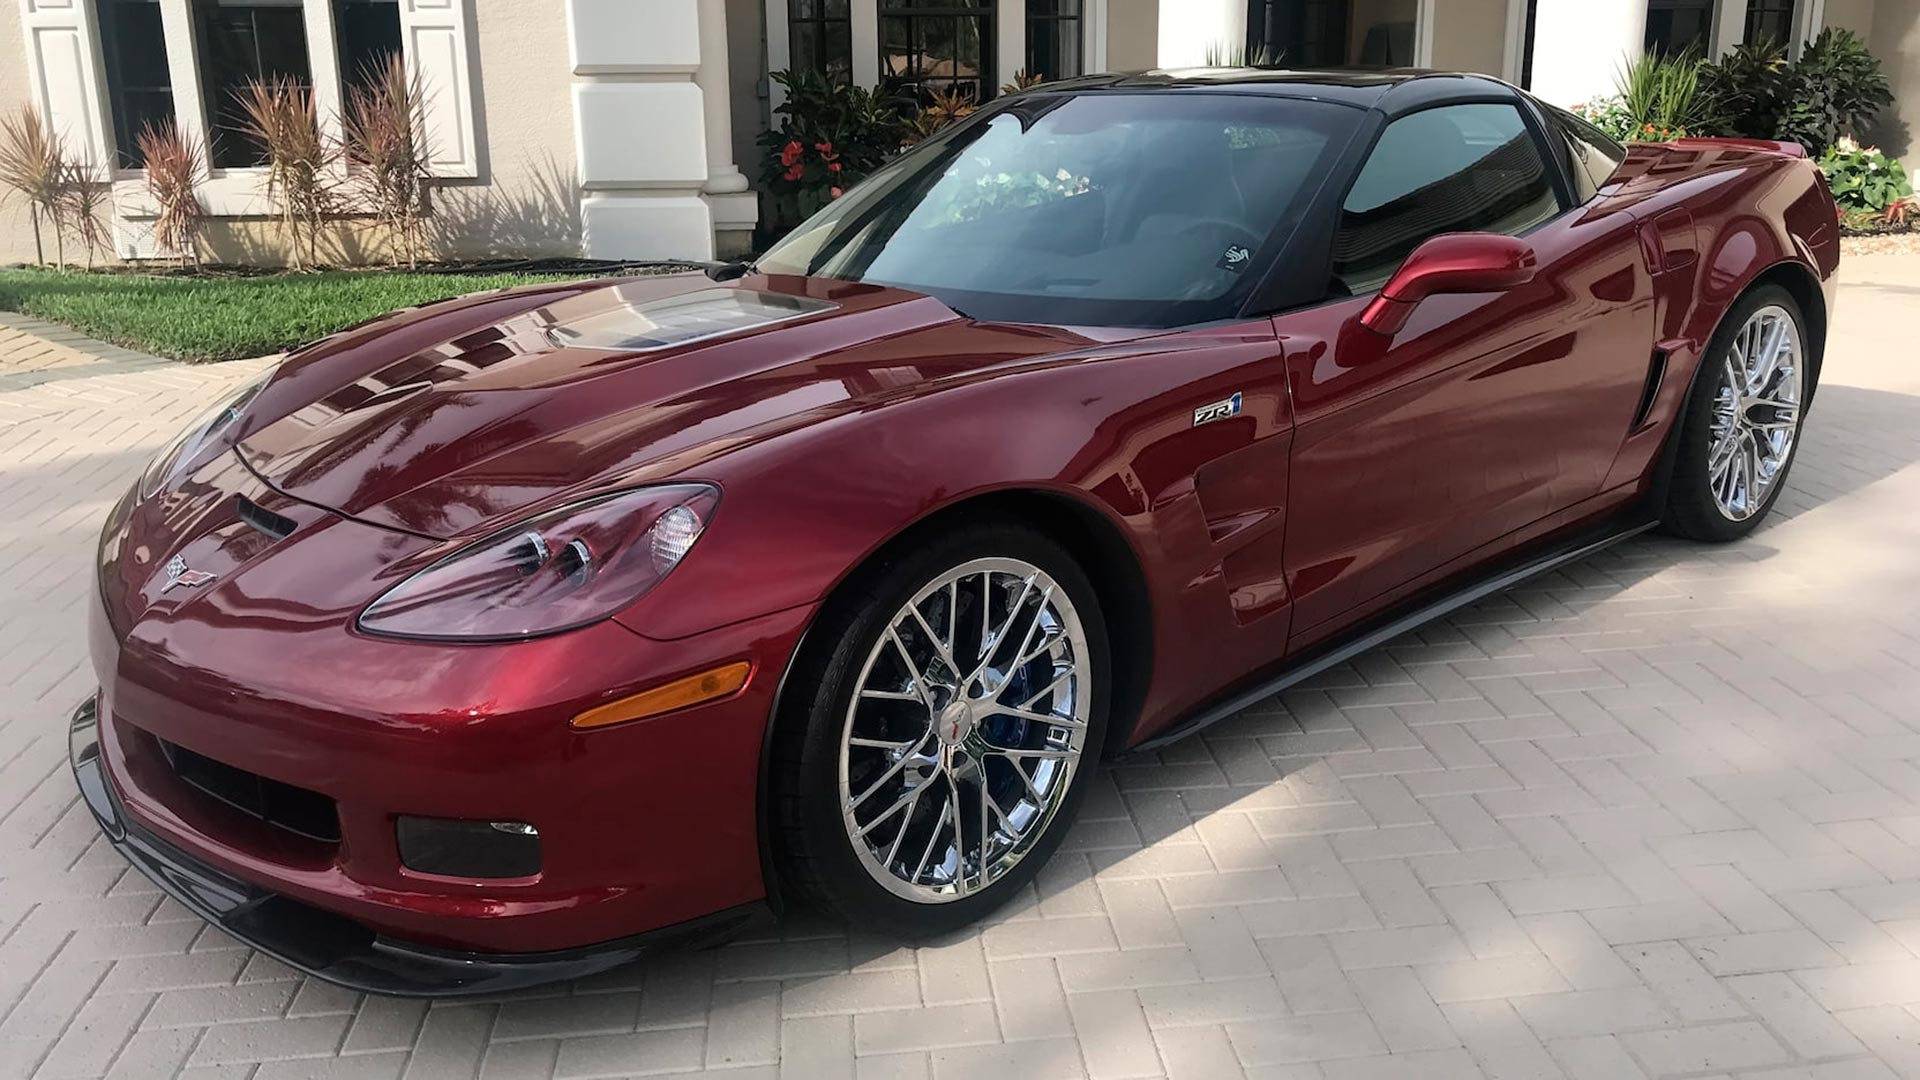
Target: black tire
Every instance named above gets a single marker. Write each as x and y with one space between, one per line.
813 850
1691 509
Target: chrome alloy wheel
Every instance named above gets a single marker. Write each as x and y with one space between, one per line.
966 729
1756 413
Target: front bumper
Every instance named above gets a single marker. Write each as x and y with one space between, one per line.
334 947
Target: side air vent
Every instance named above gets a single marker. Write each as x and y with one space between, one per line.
1656 374
262 519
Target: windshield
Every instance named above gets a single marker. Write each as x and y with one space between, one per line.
1105 209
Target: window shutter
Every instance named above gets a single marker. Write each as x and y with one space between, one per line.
435 32
66 75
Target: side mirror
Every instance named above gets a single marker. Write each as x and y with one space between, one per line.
1453 263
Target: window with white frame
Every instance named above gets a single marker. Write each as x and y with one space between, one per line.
139 83
912 48
132 64
1677 26
1055 39
238 42
821 36
1769 20
1333 33
366 34
942 46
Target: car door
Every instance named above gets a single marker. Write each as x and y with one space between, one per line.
1487 412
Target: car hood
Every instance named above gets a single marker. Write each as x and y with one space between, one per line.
447 427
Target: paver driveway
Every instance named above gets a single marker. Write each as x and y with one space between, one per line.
1657 814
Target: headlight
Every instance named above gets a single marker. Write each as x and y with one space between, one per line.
184 453
564 569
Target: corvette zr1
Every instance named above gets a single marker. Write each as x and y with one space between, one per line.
506 639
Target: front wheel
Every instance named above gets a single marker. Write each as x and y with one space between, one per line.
937 737
1742 424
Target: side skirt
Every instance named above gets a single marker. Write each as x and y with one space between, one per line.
1433 608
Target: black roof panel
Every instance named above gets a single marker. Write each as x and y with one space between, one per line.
1363 87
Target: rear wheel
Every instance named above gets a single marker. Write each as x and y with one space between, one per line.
1742 425
936 740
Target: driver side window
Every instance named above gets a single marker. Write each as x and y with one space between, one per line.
1456 168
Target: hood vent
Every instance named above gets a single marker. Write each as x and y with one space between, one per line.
664 322
277 526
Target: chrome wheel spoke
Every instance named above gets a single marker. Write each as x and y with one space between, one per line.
911 796
1001 741
1756 413
1037 718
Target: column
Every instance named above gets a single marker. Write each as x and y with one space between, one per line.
640 128
1578 48
734 209
1730 25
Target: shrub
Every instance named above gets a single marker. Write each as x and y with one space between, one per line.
281 117
1022 80
1838 87
1835 88
943 110
1746 91
174 166
386 137
33 165
1862 178
1661 93
1611 115
828 136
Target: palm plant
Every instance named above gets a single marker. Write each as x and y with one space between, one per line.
174 166
33 164
282 118
944 108
87 201
386 137
1663 92
1022 80
1236 54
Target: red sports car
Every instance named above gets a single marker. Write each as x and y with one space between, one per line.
504 639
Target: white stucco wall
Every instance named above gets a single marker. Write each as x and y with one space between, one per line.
1895 39
526 200
1190 28
1133 30
1579 47
16 236
1470 35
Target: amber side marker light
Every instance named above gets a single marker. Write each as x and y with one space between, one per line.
677 694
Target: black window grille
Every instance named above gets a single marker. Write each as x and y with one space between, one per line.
820 38
937 47
1054 39
1769 20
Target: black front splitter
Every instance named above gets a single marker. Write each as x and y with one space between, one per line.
338 949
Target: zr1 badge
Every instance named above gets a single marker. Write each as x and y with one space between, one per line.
1219 410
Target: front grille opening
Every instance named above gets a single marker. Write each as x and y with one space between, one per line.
295 809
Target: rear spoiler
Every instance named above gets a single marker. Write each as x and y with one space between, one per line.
1790 149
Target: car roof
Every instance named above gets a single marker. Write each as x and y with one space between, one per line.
1393 90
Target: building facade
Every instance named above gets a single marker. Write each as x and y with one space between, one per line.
626 128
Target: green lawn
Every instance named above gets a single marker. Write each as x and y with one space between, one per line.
227 318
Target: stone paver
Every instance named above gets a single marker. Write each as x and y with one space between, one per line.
1657 814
